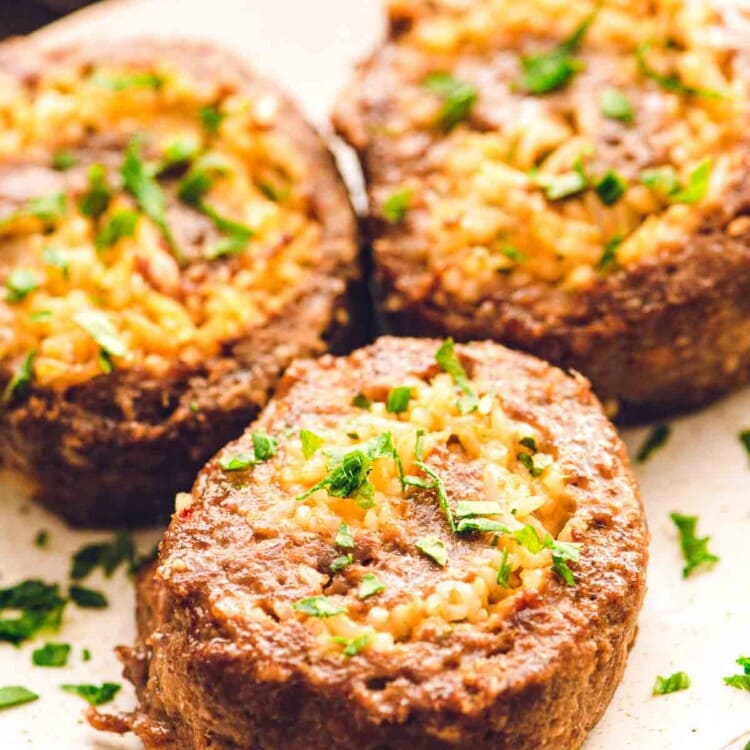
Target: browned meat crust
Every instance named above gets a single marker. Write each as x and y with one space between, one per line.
114 450
668 332
208 675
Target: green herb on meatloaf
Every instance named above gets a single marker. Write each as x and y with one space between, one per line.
744 437
55 258
370 586
694 548
101 329
87 598
121 224
137 80
672 684
740 681
449 362
178 154
433 547
47 208
318 606
610 188
14 695
504 571
615 106
526 456
141 185
438 486
458 99
63 160
608 258
21 379
361 401
96 695
562 552
51 655
20 284
344 537
664 181
310 443
655 440
105 555
396 206
264 446
398 399
472 508
349 470
95 201
565 185
211 118
352 646
341 562
669 82
35 606
544 72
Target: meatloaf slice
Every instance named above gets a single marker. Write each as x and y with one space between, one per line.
569 177
172 234
417 546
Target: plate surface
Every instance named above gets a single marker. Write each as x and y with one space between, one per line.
699 626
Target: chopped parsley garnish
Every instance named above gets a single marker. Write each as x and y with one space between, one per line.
566 185
610 188
396 206
20 284
349 470
694 548
38 605
449 362
105 363
435 548
41 538
105 555
95 201
178 153
51 655
88 598
352 645
526 457
361 401
562 552
264 446
608 258
480 524
670 82
318 606
344 537
138 80
744 437
21 379
740 681
47 208
615 106
697 187
504 571
398 399
544 72
310 443
64 160
512 253
211 118
140 183
56 258
655 440
458 99
121 224
436 484
14 695
96 695
662 179
341 562
672 684
471 508
201 178
369 586
102 330
86 654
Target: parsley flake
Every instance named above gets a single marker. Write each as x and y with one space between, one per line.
211 118
121 224
398 399
435 548
610 188
458 99
672 684
655 440
264 447
318 606
105 555
95 201
504 571
14 695
36 605
448 361
670 82
352 646
54 257
51 655
344 537
615 106
396 206
88 598
21 379
361 401
370 586
744 437
694 548
96 695
341 562
20 284
740 681
102 330
64 160
310 443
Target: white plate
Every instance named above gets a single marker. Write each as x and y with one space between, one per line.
700 625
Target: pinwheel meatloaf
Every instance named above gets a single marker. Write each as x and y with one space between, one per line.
172 235
569 177
418 546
